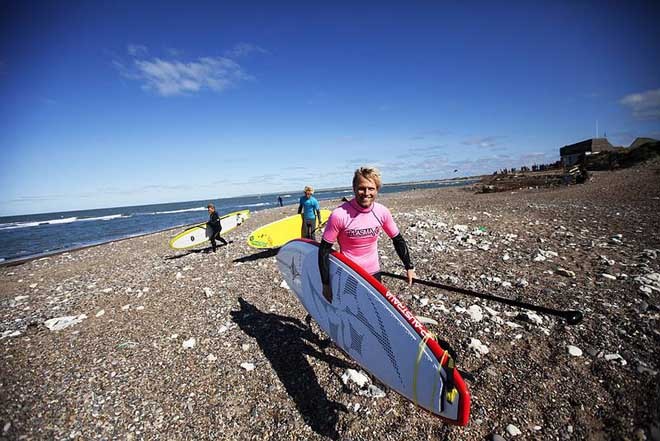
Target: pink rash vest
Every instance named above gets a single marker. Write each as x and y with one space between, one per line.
357 229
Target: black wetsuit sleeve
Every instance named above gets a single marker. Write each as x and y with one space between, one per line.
324 261
402 251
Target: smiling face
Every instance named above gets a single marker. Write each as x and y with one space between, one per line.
365 191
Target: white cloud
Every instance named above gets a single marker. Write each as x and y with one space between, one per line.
644 105
172 76
169 78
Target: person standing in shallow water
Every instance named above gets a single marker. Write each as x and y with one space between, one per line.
310 210
215 225
356 225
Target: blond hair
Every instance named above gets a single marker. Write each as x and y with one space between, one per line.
310 188
370 173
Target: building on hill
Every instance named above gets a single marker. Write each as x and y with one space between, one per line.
638 142
574 153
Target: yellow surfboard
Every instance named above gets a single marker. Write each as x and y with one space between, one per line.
276 234
199 234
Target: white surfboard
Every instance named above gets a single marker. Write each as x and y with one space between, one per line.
201 233
377 330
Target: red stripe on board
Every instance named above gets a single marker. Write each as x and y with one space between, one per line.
431 343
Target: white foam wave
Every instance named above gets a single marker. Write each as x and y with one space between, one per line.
260 204
14 225
66 220
109 217
181 211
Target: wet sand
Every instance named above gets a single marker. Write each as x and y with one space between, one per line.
130 369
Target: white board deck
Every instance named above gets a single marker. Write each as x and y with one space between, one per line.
375 329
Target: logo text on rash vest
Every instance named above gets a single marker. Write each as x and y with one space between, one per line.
410 317
363 232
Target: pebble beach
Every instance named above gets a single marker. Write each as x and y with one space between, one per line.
132 340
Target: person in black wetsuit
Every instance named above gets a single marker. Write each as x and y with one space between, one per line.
216 226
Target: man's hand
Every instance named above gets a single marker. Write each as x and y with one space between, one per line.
411 275
327 293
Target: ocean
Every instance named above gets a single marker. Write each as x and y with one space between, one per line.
33 235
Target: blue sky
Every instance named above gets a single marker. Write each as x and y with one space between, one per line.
148 102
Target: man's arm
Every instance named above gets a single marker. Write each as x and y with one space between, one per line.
401 248
324 268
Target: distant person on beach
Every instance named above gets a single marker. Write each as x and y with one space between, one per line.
279 199
215 225
356 225
310 210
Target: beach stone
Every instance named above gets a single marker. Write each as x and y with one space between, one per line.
478 347
248 366
475 312
513 430
59 323
496 437
646 289
574 351
356 377
564 272
9 333
426 320
190 343
608 276
372 392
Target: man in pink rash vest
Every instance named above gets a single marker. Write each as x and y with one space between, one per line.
356 225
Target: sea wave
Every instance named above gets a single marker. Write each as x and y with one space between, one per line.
66 220
260 204
184 210
109 217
